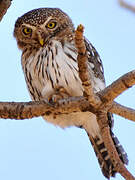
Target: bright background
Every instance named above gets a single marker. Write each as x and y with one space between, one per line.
34 149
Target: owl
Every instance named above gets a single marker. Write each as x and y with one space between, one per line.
49 62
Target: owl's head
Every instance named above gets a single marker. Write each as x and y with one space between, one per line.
37 27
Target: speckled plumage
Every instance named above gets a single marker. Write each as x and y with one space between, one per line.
39 16
49 61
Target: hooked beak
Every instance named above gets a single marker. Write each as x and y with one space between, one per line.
41 42
40 38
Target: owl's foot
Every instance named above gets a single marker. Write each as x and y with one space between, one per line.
60 93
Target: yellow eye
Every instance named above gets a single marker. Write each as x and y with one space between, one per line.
27 31
51 25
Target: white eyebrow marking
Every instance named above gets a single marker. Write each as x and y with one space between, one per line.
49 18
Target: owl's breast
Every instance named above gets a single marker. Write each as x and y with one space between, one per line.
62 70
56 66
52 66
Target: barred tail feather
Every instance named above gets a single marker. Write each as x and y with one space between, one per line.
103 156
122 154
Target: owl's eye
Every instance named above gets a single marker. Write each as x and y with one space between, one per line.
27 31
51 25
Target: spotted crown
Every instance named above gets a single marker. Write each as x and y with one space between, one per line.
39 16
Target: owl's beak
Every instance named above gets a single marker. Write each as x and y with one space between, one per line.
40 38
41 41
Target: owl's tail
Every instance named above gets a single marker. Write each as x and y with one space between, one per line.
103 156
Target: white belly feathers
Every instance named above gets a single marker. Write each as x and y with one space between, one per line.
55 66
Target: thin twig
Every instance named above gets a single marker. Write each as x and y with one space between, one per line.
28 110
123 111
118 86
4 5
127 5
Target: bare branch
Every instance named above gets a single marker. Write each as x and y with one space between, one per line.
126 5
123 111
27 110
23 110
83 67
118 86
4 5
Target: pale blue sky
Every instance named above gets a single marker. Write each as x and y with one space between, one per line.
34 149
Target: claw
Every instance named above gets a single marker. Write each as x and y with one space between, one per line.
60 93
